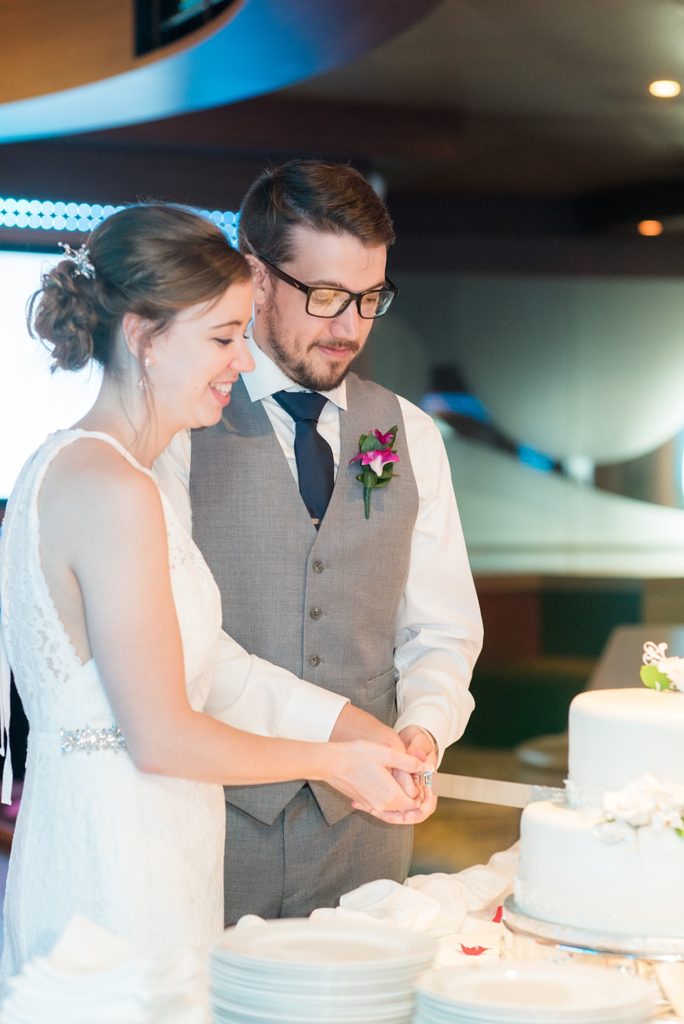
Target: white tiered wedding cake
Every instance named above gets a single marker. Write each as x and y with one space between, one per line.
611 859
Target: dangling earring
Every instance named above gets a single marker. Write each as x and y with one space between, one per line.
143 383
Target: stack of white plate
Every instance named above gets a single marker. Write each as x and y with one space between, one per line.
309 971
533 993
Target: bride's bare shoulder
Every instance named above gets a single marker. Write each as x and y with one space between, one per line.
91 477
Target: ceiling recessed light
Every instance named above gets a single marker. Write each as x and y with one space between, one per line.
650 228
665 89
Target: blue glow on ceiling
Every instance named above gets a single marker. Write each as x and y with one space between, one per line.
266 45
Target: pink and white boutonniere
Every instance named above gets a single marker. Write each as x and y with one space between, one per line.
377 457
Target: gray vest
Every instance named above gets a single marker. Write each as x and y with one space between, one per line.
323 604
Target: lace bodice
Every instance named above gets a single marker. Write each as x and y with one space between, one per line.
56 688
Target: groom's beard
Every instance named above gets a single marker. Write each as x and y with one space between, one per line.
304 370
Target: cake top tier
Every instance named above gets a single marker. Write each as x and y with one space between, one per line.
618 735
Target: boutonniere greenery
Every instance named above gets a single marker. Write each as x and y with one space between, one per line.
377 456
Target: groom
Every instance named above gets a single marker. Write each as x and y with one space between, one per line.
378 609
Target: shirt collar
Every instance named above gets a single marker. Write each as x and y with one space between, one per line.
266 378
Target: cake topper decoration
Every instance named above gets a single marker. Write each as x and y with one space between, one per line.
659 672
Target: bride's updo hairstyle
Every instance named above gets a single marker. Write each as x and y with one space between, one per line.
153 260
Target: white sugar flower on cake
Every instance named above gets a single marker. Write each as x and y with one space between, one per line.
645 802
659 672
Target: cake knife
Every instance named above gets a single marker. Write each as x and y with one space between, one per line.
489 791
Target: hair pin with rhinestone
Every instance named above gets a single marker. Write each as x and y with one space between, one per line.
81 259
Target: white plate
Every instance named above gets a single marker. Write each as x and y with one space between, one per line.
313 1014
531 993
253 971
341 946
291 1012
277 995
430 1015
235 1017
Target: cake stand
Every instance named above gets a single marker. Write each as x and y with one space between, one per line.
528 938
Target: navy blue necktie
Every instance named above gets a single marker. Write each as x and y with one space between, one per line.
313 454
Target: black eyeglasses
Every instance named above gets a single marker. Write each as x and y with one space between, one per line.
324 301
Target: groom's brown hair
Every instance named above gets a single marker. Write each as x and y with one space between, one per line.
308 193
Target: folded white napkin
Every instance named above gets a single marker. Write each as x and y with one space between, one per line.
431 907
93 977
459 909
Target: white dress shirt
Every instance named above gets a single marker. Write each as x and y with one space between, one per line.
438 632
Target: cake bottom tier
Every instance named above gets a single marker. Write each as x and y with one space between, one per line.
569 875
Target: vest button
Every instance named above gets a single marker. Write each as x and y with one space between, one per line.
315 613
318 567
314 660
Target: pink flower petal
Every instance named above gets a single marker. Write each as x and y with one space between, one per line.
368 457
382 438
377 459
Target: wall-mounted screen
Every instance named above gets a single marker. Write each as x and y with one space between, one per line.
160 22
33 401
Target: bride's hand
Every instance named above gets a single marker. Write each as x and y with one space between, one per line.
419 742
363 772
426 806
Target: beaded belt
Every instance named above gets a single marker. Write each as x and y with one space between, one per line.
90 739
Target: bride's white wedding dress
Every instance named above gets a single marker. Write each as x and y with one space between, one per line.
140 854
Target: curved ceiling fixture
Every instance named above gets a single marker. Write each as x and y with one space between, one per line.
90 77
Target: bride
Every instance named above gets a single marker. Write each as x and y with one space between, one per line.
111 618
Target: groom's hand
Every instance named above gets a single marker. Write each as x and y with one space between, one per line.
355 724
419 742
